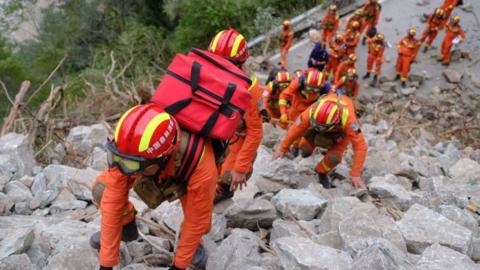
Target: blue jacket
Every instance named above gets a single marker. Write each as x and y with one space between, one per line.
319 54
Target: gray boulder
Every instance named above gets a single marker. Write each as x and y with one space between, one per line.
466 170
459 216
271 135
16 242
98 159
281 170
301 253
219 227
84 138
250 214
337 210
474 249
18 192
240 250
382 255
141 266
302 204
360 228
284 228
81 257
423 227
19 148
58 176
39 184
438 257
16 262
394 194
173 216
6 204
66 201
43 199
139 249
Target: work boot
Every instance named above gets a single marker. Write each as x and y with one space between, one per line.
325 181
129 233
375 78
397 77
223 193
445 63
425 50
366 76
404 84
294 151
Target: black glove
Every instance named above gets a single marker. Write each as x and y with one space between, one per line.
105 268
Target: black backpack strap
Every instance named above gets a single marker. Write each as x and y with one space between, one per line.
193 153
220 66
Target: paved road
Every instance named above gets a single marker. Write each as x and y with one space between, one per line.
406 14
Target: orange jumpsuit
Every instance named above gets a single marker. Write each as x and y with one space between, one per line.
351 87
197 205
434 25
352 19
334 154
343 68
448 6
270 100
336 51
371 13
329 24
286 39
299 100
242 152
375 56
407 48
352 37
452 31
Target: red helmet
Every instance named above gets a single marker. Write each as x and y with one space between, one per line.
327 114
314 79
230 44
282 77
146 131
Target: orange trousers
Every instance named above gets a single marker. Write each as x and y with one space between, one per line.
197 207
446 50
283 57
332 66
333 157
373 60
327 35
350 50
429 36
403 66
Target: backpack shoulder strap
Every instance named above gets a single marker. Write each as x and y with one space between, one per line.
192 149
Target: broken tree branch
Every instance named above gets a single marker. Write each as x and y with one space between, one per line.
14 111
47 80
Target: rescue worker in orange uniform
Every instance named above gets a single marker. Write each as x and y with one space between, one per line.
453 31
331 124
376 48
344 66
348 84
286 39
357 17
337 51
300 94
371 13
449 5
352 37
147 149
435 23
271 95
330 24
238 165
407 49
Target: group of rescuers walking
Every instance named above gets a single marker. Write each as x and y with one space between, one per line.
315 112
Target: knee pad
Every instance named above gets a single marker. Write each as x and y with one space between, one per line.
97 192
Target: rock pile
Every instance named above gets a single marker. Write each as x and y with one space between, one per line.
414 216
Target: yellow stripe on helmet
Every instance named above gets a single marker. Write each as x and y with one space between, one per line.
314 113
309 77
150 129
320 78
236 45
345 114
331 114
288 76
213 46
120 122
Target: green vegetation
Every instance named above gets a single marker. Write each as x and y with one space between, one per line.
121 45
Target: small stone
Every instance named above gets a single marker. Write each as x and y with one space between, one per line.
467 7
417 78
16 262
18 192
459 216
66 201
39 184
16 242
381 255
388 86
250 214
452 75
466 171
302 204
408 91
394 194
6 204
388 19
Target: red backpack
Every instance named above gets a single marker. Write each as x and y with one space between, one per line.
206 94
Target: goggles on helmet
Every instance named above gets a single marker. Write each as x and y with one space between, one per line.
283 84
129 164
313 89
